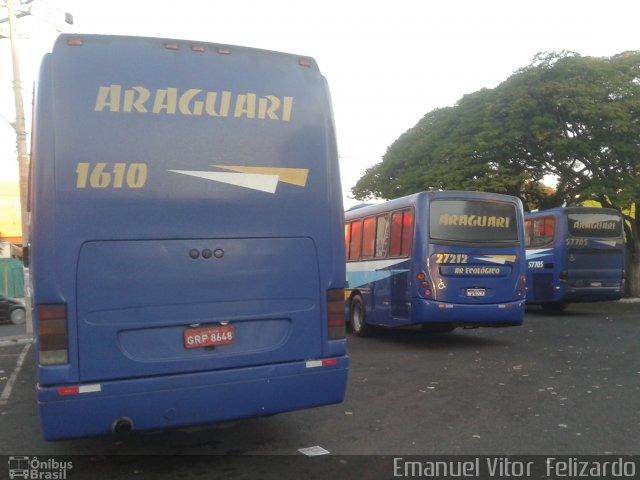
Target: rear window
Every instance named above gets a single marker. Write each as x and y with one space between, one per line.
595 224
473 221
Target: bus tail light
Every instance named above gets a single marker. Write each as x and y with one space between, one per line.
335 314
522 287
425 286
52 334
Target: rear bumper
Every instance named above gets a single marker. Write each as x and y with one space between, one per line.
592 294
190 399
463 315
567 294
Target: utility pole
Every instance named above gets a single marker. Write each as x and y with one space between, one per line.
23 155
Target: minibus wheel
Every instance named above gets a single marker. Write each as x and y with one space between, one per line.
357 317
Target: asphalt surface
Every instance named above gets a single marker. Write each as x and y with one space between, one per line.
562 384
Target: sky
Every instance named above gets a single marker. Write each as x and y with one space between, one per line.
387 63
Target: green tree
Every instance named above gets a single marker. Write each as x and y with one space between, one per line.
575 118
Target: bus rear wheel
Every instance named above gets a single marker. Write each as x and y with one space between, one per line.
357 317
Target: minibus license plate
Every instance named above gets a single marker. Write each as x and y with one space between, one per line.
209 336
476 292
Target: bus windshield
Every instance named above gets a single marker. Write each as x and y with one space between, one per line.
594 224
473 221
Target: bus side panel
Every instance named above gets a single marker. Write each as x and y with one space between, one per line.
542 274
380 282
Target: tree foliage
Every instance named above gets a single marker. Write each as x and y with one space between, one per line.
576 118
571 117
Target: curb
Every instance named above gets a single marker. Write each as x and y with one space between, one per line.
15 340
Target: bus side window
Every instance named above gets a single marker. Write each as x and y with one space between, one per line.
368 237
543 229
527 233
382 236
407 223
396 234
401 223
347 233
356 239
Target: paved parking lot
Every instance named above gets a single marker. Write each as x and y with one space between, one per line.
567 383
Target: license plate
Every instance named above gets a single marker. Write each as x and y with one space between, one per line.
209 336
476 292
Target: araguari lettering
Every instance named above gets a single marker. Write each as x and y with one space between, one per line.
171 101
578 225
488 221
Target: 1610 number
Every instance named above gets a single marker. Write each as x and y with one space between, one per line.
103 175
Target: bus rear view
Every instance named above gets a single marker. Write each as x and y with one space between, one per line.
438 259
474 264
187 257
574 254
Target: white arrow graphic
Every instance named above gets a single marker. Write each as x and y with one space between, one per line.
254 181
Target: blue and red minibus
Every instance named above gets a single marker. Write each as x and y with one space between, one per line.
439 259
574 254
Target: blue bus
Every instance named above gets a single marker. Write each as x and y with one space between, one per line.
187 259
574 254
437 259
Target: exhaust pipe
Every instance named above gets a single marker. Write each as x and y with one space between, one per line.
122 426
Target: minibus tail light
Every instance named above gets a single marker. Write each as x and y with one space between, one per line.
425 286
335 314
522 287
53 335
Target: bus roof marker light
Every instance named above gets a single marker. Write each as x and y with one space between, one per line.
197 48
223 51
75 42
304 62
171 46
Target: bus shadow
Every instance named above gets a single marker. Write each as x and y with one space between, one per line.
539 312
416 337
